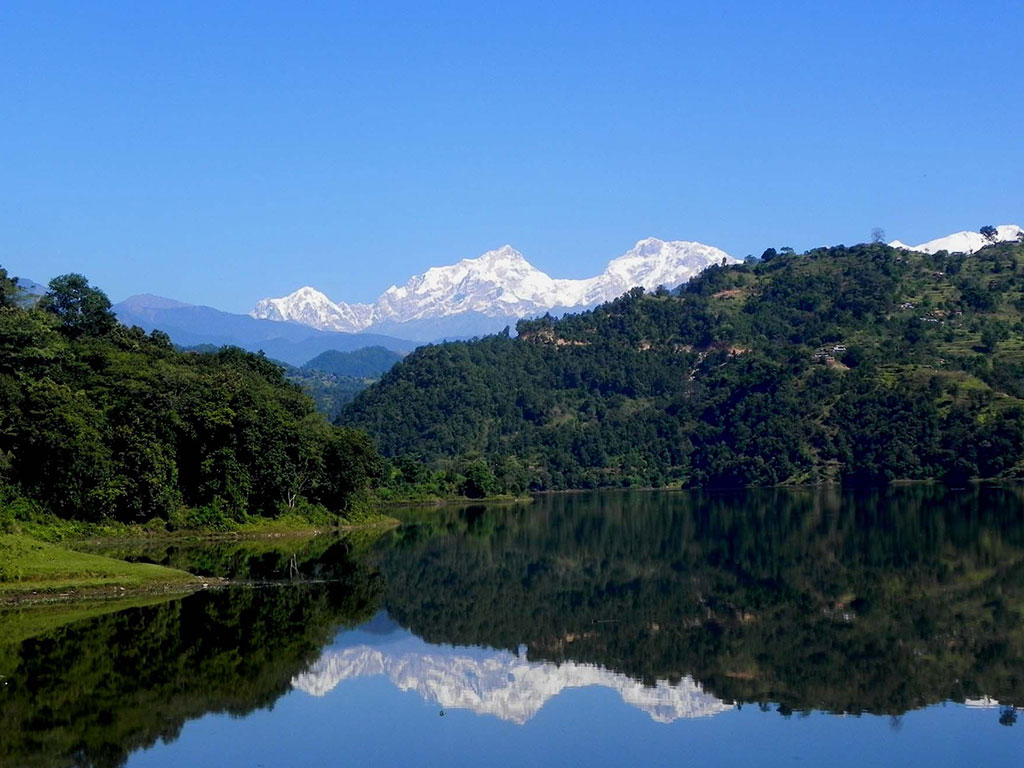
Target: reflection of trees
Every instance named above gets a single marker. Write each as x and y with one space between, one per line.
881 602
91 693
319 557
812 599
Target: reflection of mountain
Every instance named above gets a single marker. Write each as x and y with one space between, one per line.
498 683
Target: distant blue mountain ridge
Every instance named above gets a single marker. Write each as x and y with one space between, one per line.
190 325
29 286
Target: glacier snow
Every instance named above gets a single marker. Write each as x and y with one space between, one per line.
500 283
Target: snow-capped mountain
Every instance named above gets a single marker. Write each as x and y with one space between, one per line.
501 284
309 306
497 683
964 242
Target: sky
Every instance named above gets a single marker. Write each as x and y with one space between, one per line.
219 152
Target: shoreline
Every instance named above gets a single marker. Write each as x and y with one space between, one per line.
71 595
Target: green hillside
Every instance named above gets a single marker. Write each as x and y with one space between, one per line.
866 364
334 378
102 422
365 363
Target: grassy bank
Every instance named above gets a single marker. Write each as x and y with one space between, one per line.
29 521
29 566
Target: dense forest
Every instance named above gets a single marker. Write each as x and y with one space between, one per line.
864 364
334 378
105 422
365 363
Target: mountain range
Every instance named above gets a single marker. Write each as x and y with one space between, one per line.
491 682
858 364
482 295
470 298
30 287
966 241
191 325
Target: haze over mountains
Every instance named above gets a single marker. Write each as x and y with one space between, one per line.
190 325
482 295
30 287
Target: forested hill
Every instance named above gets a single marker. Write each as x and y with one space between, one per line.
103 422
865 364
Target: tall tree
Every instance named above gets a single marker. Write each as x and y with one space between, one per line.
81 308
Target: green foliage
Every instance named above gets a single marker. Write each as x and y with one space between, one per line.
82 309
366 363
865 364
333 379
101 422
480 481
330 392
9 291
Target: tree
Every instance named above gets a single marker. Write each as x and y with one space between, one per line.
9 291
82 309
877 235
990 233
480 481
993 333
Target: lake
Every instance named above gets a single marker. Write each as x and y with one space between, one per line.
781 627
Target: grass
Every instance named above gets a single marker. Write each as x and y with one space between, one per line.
28 565
39 525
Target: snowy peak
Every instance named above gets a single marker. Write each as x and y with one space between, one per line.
499 257
966 242
309 306
498 284
654 262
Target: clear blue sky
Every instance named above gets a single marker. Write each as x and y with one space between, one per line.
220 152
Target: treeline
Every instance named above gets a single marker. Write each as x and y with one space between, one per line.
863 364
104 422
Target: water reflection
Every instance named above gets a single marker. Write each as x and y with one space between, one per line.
684 605
91 692
876 603
487 682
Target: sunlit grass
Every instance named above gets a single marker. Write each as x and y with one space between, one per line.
29 565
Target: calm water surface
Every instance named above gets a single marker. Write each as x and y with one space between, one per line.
810 627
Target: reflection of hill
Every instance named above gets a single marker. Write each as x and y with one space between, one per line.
816 599
498 683
812 599
91 693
